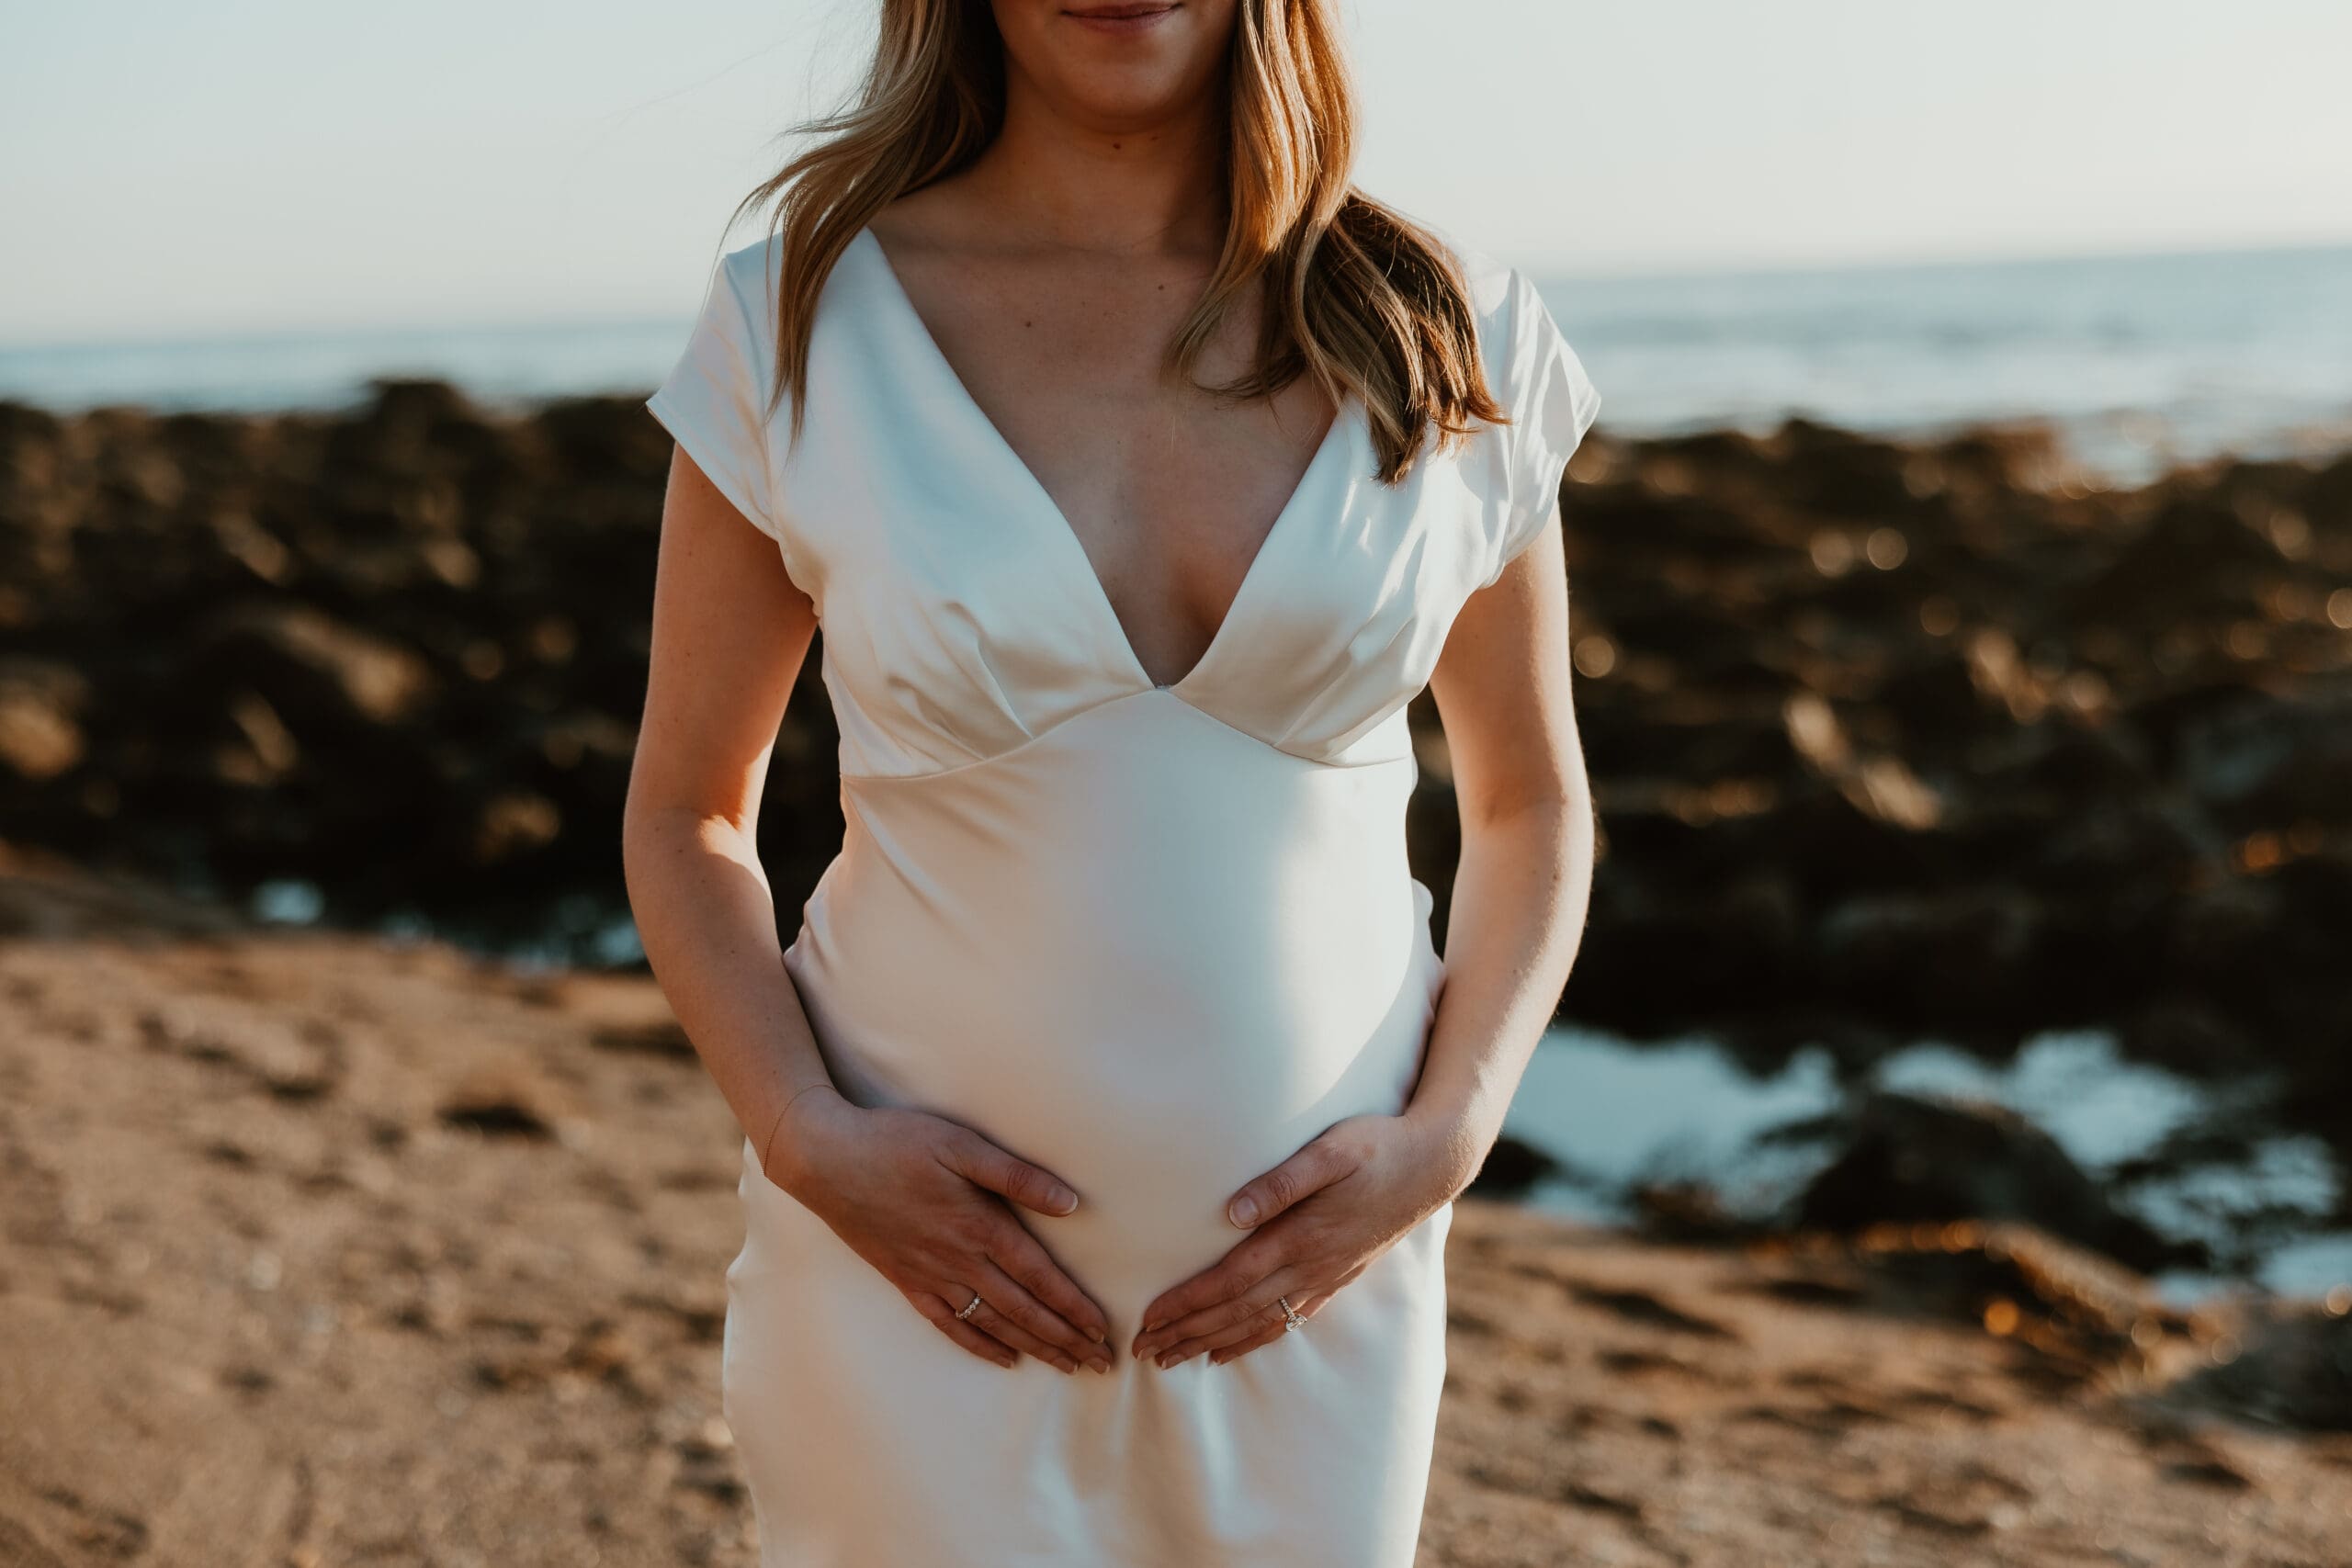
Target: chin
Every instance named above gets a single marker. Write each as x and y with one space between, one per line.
1118 64
1114 104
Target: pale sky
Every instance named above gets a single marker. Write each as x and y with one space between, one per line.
260 165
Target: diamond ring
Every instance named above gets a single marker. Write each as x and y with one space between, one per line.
1292 1317
970 1307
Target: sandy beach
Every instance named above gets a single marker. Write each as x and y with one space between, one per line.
323 1250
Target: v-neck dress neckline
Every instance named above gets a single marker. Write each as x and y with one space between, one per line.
1339 439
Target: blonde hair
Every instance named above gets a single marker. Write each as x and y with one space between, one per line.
1359 296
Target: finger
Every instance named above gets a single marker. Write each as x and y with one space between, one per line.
1314 1168
1264 1336
1268 1316
943 1316
1228 1320
1222 1281
1024 1257
1242 1347
1032 1187
1009 1334
1058 1339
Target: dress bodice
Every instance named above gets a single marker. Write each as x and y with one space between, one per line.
961 617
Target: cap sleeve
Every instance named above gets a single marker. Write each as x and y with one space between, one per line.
714 398
1552 402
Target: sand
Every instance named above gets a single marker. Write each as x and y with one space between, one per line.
320 1249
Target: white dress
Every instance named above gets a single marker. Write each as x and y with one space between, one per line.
1154 937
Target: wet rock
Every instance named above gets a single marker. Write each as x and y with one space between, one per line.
1906 1159
1881 787
2290 1364
309 663
2193 557
39 737
2271 764
1933 960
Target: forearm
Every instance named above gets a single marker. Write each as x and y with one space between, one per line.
1520 896
706 919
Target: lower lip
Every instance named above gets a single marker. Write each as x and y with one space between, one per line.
1137 22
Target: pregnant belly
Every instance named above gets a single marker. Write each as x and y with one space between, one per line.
1144 950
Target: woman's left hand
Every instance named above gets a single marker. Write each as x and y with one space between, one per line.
1317 1220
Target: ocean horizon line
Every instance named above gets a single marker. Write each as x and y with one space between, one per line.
475 322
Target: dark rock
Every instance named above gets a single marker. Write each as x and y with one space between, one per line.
1906 1159
2196 558
2269 763
1932 960
2292 1366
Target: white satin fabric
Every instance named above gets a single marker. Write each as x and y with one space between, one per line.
1153 937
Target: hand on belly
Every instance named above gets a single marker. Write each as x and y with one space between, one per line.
929 1204
1315 1223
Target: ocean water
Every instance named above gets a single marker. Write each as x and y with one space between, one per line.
2141 360
1616 1114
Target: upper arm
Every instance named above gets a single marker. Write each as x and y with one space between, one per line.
730 632
1502 687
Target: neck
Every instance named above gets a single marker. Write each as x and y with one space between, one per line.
1136 189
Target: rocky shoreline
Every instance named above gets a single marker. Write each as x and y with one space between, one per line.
1890 739
325 1248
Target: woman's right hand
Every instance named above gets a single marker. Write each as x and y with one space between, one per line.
928 1203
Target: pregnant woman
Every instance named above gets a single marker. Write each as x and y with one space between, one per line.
1102 1120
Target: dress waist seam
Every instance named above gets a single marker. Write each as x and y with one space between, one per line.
853 777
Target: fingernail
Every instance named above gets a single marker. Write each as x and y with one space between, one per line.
1065 1201
1067 1363
1245 1210
1099 1337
